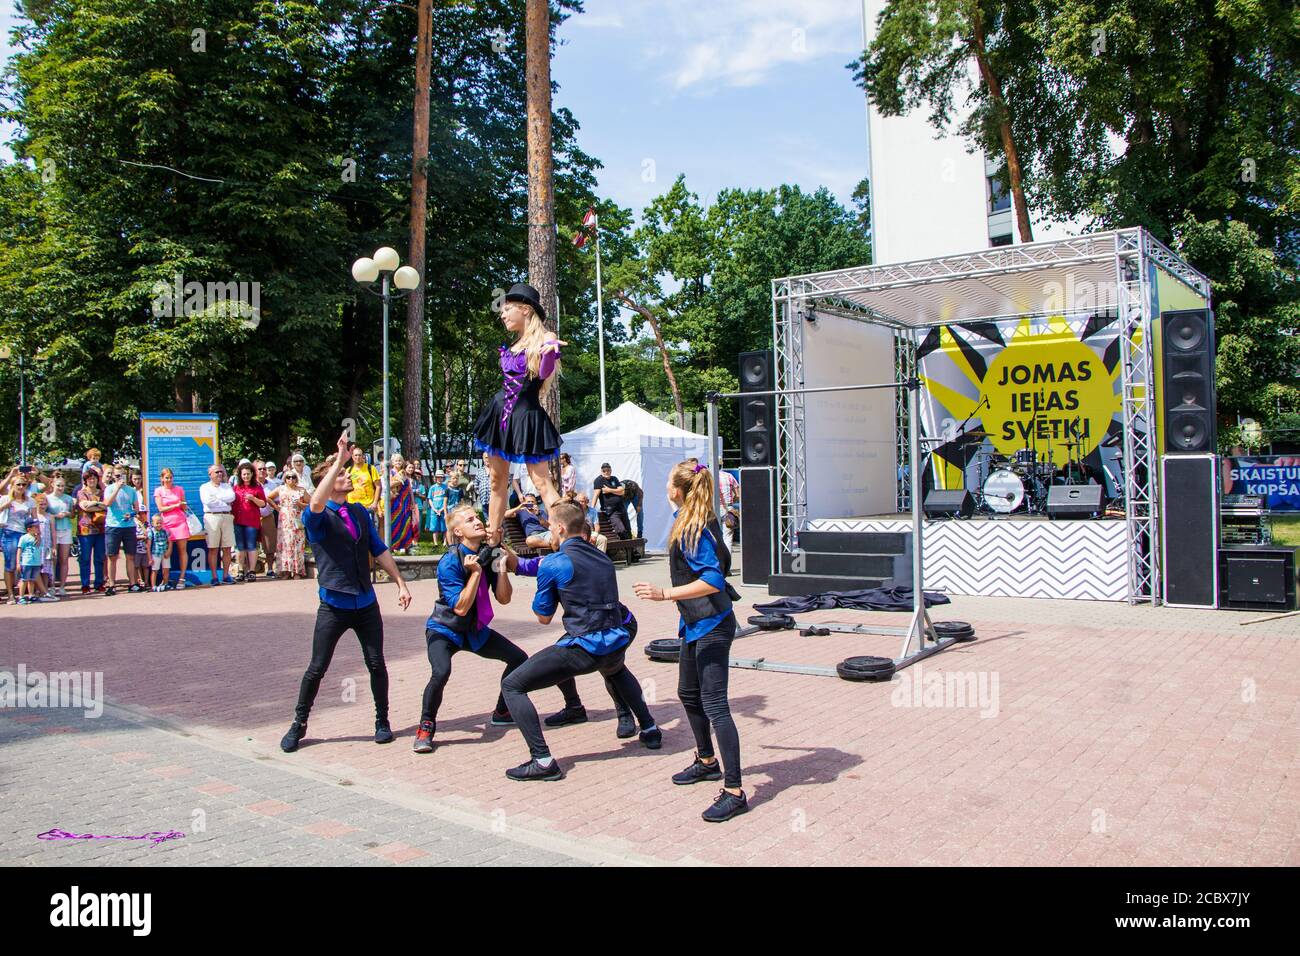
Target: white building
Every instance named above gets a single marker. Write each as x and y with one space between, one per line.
930 196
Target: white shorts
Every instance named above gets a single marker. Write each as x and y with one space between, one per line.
161 561
63 536
220 529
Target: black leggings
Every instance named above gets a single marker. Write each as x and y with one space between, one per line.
441 651
702 689
569 687
555 664
331 624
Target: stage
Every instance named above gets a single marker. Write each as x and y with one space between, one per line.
1011 556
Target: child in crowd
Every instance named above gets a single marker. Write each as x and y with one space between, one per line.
31 555
46 519
160 561
141 550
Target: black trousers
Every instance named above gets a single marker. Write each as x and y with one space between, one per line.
441 651
550 667
618 522
331 624
702 688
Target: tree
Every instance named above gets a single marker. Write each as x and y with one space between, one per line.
541 187
412 387
923 53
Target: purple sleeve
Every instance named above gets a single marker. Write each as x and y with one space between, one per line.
528 567
547 365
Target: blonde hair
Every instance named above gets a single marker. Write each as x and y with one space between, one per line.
695 483
457 513
532 338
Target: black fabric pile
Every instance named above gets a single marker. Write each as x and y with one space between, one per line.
896 598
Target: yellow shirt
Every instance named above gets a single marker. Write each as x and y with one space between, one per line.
364 480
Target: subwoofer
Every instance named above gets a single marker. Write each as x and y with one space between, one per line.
757 412
757 538
1189 529
1257 578
1189 398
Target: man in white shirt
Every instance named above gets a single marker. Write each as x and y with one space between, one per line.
218 498
729 496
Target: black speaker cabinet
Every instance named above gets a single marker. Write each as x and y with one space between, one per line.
757 536
758 412
1257 578
1074 501
1189 529
1187 339
948 504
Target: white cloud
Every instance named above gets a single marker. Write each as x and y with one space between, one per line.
743 42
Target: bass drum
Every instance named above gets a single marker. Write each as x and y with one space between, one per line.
1004 491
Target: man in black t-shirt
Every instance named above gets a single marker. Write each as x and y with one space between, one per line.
609 493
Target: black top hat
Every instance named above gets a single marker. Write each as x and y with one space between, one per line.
523 292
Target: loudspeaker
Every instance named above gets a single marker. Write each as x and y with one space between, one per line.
1257 578
1188 352
757 413
945 504
757 539
1074 501
1189 529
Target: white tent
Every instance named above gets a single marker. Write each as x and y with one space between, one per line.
640 447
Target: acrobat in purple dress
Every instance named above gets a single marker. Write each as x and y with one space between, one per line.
514 426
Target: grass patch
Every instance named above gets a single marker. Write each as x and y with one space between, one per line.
1286 530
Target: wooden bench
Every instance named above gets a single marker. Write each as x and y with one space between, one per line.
630 549
515 537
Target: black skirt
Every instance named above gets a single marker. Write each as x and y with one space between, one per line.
528 434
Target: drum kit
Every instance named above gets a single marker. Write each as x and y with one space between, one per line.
1019 483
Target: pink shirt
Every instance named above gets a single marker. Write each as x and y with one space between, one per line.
246 513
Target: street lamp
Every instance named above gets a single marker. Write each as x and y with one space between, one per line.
5 354
385 265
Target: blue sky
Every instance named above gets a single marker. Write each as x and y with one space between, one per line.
746 93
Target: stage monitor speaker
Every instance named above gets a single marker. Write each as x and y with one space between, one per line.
1189 529
1257 578
948 504
1074 501
757 413
757 541
1189 395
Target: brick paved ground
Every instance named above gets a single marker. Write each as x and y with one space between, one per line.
1108 734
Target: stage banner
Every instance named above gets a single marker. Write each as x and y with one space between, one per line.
1275 478
186 443
1047 385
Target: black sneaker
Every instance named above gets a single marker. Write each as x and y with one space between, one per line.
134 589
289 742
727 805
383 733
270 575
424 738
109 592
502 718
535 771
654 739
570 715
698 772
626 726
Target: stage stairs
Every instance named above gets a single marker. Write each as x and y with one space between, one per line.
843 561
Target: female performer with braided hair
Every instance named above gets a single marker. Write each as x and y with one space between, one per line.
514 427
699 565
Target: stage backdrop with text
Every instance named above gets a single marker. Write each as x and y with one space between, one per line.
1275 478
185 443
1045 384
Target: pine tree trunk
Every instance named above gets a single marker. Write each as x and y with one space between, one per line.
413 380
541 186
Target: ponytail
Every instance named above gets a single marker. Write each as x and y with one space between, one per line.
696 485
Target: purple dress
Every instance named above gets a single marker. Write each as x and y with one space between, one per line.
514 426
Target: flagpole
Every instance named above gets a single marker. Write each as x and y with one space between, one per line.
600 319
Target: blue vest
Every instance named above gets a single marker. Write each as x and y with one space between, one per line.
590 599
442 612
341 563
